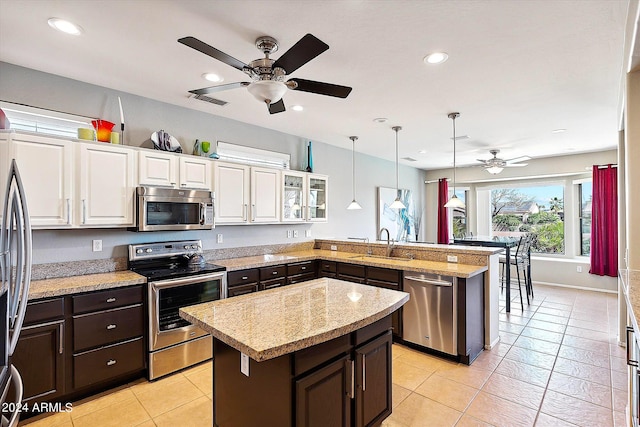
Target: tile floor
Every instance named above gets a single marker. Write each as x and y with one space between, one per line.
558 364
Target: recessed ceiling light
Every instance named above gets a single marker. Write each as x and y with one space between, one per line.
380 120
212 77
65 26
436 58
297 108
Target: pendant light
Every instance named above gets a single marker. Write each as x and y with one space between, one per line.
454 202
353 204
397 203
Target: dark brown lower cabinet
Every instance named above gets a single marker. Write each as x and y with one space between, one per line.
234 291
373 371
39 357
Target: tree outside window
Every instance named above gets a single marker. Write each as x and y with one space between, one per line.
586 196
537 210
459 215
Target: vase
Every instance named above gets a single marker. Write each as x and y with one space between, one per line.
103 129
309 158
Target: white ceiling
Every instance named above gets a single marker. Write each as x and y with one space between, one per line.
517 70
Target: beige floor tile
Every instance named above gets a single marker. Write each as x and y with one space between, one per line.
197 413
619 380
148 423
541 334
423 361
616 350
512 318
577 411
419 411
507 338
169 396
553 327
207 365
531 357
391 421
408 376
587 333
160 384
128 413
468 421
500 349
398 394
586 324
500 412
468 375
512 328
514 390
52 420
487 361
203 379
448 392
523 372
554 311
581 389
619 364
586 344
585 371
101 401
620 400
545 420
550 318
620 419
584 356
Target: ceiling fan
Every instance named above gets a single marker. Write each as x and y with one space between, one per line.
267 75
495 165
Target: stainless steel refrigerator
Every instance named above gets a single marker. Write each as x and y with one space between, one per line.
15 275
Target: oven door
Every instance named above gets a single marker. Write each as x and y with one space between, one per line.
166 297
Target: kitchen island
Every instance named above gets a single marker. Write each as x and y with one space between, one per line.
314 353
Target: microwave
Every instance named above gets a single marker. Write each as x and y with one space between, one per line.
168 209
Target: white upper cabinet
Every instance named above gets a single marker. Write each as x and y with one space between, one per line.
46 169
231 182
265 195
304 197
107 184
317 198
165 169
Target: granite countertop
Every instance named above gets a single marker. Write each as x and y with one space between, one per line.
48 288
279 321
422 266
631 289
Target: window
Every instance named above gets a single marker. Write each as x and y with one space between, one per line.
40 120
459 215
585 196
539 210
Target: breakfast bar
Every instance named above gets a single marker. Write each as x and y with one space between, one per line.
313 353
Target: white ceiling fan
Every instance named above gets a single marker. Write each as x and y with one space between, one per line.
495 165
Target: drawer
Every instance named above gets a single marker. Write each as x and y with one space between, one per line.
107 327
300 268
383 274
105 300
318 354
270 284
301 278
275 272
328 266
43 311
242 289
241 277
353 279
373 330
106 363
382 284
350 270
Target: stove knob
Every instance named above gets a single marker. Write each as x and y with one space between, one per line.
138 251
194 246
149 250
186 246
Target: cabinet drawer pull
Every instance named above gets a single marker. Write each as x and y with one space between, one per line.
111 362
69 211
61 342
111 299
112 326
84 211
303 268
245 277
364 372
274 273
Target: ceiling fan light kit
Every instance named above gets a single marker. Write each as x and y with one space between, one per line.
496 165
494 170
268 76
397 203
454 202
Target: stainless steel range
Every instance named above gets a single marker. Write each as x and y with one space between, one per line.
177 276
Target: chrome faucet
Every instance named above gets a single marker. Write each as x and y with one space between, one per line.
390 242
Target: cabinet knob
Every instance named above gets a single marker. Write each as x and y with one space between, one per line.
274 273
303 268
111 362
245 277
112 326
111 300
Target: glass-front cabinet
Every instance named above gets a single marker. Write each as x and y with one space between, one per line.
304 197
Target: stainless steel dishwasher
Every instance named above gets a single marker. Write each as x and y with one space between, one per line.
429 318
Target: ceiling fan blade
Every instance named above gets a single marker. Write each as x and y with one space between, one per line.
307 48
322 88
219 88
515 165
201 46
277 107
518 159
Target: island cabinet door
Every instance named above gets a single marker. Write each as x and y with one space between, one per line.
373 378
323 398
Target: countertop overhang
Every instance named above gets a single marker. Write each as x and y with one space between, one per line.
280 321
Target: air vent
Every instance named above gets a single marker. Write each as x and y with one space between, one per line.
409 159
210 100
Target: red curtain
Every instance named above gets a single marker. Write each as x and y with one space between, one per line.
443 220
604 222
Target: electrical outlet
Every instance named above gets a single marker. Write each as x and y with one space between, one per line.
289 234
97 245
579 269
334 247
295 233
244 364
219 238
452 258
307 233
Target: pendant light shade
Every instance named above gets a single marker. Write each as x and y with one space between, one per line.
454 202
397 203
354 204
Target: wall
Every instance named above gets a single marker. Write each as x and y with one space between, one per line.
144 116
562 169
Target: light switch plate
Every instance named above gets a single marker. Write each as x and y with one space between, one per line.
295 233
219 238
289 234
97 245
452 258
334 247
244 364
307 233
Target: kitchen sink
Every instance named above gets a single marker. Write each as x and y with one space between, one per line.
381 257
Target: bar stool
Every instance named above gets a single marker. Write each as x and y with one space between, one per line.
521 261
